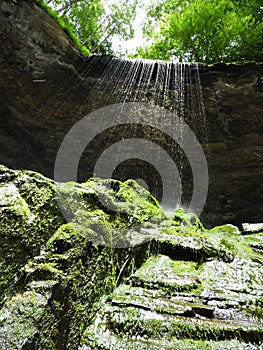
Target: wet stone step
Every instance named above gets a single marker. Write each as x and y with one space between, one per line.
108 341
193 301
123 297
166 307
252 228
135 325
158 306
171 276
255 241
191 248
159 301
129 290
131 321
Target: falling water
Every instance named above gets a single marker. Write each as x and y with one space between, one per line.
172 86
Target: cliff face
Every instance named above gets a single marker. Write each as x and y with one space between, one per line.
235 126
46 87
38 64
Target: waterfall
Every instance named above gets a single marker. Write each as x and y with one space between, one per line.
156 143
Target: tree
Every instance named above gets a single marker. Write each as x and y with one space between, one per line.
204 30
95 23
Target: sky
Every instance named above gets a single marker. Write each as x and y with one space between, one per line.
131 45
121 46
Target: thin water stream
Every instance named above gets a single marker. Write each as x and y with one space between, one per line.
170 87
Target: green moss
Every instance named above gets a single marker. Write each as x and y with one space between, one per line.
30 215
187 220
123 202
182 267
68 29
130 321
238 245
19 319
13 205
254 240
168 275
230 229
111 210
176 230
229 245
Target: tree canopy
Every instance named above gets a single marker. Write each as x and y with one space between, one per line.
95 22
206 31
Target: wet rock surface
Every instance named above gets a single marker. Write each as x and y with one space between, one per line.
174 304
64 285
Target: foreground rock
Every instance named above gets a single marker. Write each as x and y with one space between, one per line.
65 285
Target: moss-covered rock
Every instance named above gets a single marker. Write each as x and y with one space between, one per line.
199 289
115 211
67 265
171 276
29 216
119 273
